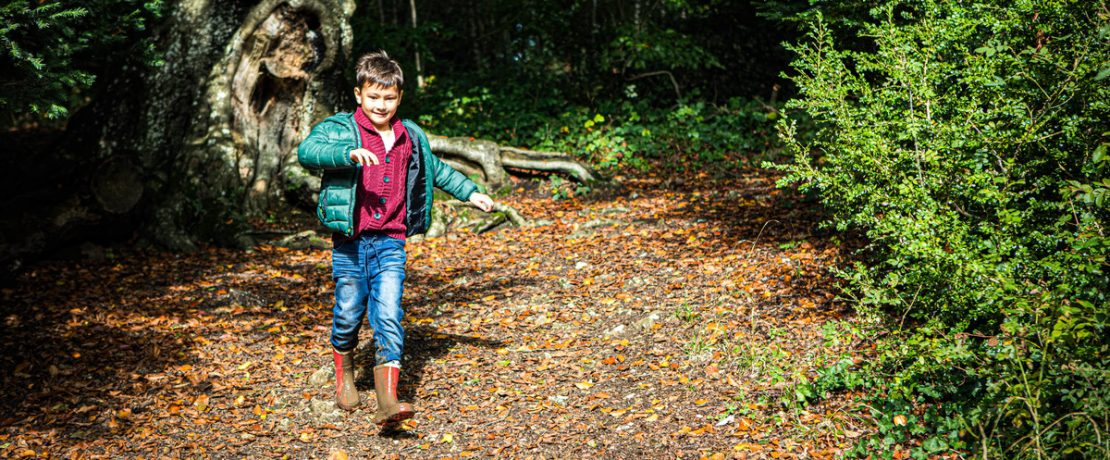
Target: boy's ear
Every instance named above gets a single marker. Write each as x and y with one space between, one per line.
358 95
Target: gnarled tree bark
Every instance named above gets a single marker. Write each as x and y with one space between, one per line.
213 132
188 150
280 71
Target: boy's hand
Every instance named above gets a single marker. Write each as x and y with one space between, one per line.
363 157
482 201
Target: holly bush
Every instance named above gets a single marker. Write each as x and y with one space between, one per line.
967 142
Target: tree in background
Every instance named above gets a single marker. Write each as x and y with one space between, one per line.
177 152
597 78
54 51
586 48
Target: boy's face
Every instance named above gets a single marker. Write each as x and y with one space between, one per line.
378 102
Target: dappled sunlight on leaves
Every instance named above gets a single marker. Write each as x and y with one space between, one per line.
651 318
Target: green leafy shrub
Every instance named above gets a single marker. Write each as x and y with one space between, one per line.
968 144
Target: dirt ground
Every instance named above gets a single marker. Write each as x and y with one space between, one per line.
650 319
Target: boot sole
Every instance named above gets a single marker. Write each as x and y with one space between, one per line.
401 416
395 418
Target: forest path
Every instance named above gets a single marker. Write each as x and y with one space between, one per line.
654 318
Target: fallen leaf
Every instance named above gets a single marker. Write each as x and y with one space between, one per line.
201 403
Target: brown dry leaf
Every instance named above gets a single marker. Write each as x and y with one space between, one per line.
201 403
744 424
712 370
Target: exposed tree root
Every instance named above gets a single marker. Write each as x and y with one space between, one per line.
488 159
462 216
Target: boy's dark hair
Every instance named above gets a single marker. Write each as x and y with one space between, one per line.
377 67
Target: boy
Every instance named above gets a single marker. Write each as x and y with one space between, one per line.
376 190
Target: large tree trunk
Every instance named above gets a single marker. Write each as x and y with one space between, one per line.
219 123
280 71
190 148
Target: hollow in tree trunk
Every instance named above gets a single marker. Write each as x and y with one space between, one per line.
212 133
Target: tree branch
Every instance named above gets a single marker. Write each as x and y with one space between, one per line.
677 90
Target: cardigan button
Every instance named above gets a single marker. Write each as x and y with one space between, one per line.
386 179
381 200
377 215
387 159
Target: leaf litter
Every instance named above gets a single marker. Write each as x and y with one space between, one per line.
654 318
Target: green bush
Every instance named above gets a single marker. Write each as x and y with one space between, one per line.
968 143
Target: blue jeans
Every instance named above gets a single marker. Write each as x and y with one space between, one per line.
369 273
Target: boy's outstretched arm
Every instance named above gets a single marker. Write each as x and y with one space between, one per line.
328 146
447 179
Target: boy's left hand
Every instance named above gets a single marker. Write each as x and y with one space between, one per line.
482 201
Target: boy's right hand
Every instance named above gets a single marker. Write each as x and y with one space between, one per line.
363 157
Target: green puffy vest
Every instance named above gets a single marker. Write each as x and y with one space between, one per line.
328 148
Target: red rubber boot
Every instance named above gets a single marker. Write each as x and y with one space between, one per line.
390 411
346 396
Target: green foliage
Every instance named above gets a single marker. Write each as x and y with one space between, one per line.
617 84
968 144
614 134
52 50
655 48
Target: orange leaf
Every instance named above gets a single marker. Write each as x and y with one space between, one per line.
201 403
744 424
